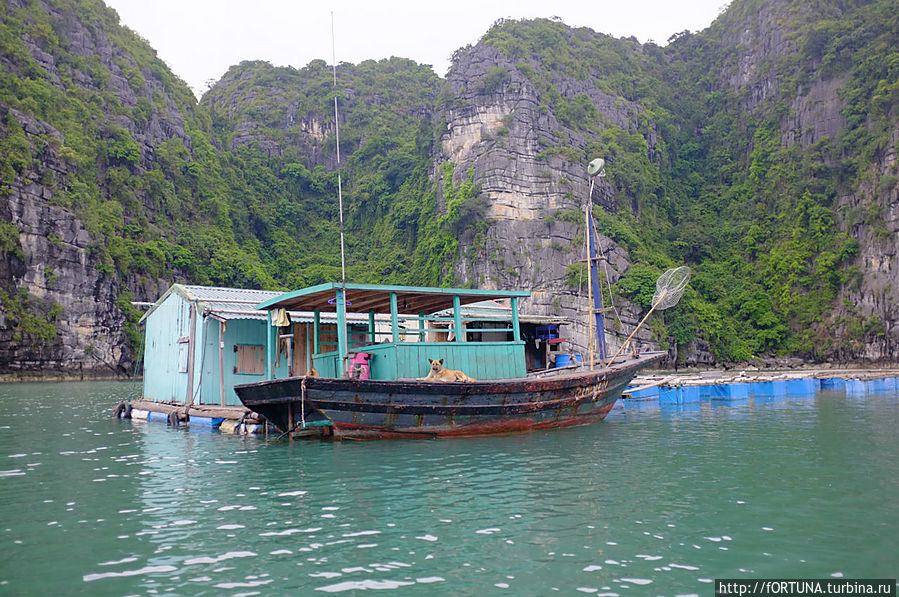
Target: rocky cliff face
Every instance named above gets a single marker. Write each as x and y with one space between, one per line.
51 276
114 182
62 305
821 66
249 108
535 237
872 303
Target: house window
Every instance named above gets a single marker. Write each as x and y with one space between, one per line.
182 359
183 347
250 359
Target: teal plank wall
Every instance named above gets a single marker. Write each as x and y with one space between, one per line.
237 332
164 356
481 360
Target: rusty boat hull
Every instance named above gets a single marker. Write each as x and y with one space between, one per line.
379 409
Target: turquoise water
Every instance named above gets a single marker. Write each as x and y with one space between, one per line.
653 501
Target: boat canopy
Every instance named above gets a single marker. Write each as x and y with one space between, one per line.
363 298
402 350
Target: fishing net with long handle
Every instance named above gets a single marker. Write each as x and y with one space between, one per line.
669 289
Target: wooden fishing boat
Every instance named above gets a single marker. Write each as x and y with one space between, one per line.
374 386
370 386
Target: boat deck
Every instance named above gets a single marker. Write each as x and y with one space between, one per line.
233 419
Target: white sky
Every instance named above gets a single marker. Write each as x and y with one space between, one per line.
200 39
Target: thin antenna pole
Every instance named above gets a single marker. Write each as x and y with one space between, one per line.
345 354
337 138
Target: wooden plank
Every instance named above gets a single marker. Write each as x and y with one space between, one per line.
300 364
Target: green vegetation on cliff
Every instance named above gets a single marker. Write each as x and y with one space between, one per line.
241 188
720 188
276 126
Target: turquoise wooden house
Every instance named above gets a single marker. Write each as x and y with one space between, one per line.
200 341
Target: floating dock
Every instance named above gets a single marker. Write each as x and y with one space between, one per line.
735 386
227 419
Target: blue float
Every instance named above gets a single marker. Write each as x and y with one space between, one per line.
833 383
764 391
716 392
158 416
652 392
856 387
739 391
670 395
689 394
802 387
886 384
206 421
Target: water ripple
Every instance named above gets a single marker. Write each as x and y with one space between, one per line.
642 502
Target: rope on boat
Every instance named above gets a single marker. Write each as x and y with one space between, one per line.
302 423
303 402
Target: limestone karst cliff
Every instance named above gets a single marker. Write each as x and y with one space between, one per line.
81 120
533 169
761 152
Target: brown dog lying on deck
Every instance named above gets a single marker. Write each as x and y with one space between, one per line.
438 373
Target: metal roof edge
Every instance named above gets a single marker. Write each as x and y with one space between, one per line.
300 292
390 288
176 288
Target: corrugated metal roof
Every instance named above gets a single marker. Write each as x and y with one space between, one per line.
240 296
240 303
230 303
362 298
295 316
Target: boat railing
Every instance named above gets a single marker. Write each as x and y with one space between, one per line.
481 360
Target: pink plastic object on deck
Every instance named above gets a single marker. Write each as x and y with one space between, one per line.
359 365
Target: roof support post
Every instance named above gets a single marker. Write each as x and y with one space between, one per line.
516 328
341 332
316 330
457 319
371 327
394 318
308 352
271 339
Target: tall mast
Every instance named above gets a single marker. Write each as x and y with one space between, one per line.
597 322
342 307
588 221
